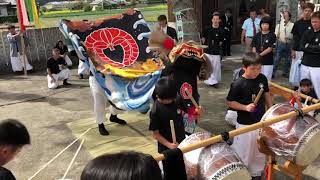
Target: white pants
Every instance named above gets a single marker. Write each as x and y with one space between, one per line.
215 76
62 75
68 60
17 63
83 68
99 101
245 145
299 55
267 70
231 117
312 73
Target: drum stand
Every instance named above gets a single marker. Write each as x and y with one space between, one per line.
289 168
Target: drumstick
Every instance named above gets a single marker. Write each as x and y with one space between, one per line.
242 130
191 98
173 132
256 100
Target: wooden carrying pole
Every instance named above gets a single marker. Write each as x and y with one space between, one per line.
242 130
284 89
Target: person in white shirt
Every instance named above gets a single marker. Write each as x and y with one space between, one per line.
250 28
16 56
284 39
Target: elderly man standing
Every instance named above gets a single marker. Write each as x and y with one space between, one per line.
16 55
284 38
250 28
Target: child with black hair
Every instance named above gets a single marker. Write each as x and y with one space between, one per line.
165 109
241 96
263 44
306 88
122 166
13 136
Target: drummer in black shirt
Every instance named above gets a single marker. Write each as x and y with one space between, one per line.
241 96
164 109
310 45
213 38
263 44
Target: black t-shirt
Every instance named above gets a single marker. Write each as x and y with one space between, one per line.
185 74
263 41
213 38
5 174
298 29
237 76
243 91
160 116
53 65
310 45
63 49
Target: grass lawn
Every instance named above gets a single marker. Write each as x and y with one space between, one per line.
51 19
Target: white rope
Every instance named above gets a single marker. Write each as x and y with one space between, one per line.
55 157
73 159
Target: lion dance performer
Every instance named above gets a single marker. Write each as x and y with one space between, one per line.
123 71
185 63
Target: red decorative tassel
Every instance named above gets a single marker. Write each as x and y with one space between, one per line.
267 172
22 26
193 114
168 43
292 101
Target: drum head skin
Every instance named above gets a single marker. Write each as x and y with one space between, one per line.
296 139
191 159
219 161
309 150
215 162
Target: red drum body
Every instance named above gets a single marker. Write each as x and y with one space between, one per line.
215 162
296 139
